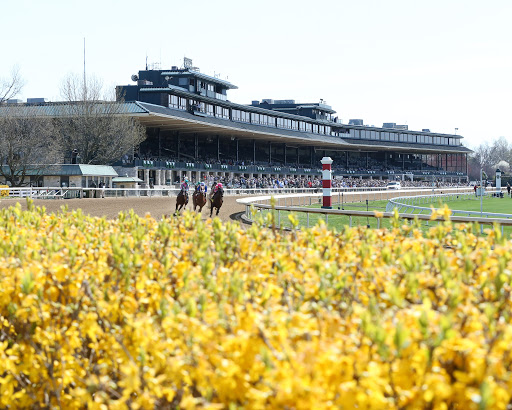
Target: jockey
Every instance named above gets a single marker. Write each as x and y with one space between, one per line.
203 187
185 186
215 188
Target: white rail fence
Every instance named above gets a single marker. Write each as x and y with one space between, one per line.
72 192
413 204
298 204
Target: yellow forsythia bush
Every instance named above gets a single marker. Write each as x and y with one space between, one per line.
180 313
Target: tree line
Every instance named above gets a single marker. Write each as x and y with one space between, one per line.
91 123
489 157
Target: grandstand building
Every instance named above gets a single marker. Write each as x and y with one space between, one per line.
194 129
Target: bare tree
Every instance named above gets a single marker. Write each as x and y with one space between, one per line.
27 146
10 86
487 156
504 166
99 129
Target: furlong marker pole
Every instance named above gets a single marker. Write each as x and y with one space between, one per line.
326 182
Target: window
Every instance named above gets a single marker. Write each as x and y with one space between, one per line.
241 116
209 109
245 117
327 130
255 118
295 125
196 105
271 121
315 128
191 82
284 123
173 101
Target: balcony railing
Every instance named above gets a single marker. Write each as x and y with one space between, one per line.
281 169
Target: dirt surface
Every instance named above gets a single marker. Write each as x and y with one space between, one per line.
110 207
159 206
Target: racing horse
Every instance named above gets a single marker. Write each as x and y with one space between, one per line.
199 200
181 201
216 201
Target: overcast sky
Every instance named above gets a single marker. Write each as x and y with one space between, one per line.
437 64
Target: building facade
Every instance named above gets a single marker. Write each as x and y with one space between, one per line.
199 131
194 130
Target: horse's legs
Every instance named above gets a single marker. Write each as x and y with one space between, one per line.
218 209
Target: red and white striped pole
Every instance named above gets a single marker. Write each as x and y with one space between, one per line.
326 182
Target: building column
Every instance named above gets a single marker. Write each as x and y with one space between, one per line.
254 151
159 145
158 176
168 176
146 176
178 144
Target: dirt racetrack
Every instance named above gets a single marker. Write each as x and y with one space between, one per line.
110 207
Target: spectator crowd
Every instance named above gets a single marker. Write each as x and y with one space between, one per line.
315 182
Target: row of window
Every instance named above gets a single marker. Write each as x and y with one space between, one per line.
285 123
403 137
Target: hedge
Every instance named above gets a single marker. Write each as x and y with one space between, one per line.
140 313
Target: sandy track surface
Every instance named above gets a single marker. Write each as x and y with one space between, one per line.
159 206
110 207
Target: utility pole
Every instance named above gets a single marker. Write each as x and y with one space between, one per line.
481 196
